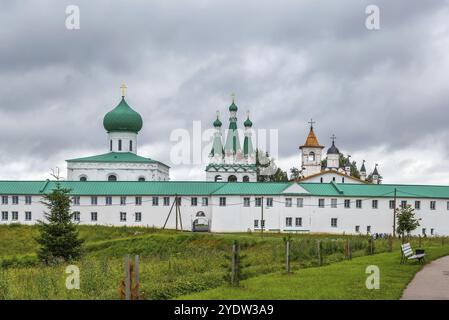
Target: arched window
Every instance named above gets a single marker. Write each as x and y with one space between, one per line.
141 178
343 180
130 145
83 178
120 145
321 179
333 179
200 214
232 178
312 156
218 178
245 179
112 177
110 145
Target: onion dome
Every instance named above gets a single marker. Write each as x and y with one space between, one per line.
122 118
217 122
333 149
233 106
248 123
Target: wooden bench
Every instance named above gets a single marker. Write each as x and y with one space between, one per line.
407 254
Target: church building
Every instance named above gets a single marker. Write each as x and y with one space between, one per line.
121 162
313 169
230 162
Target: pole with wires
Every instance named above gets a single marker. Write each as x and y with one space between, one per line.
394 214
262 223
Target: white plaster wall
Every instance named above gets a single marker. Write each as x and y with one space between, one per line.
328 177
125 137
210 175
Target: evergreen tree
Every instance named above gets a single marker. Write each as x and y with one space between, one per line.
58 234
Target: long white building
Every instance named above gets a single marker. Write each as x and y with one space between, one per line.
235 207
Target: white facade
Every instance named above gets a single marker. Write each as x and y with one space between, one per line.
122 142
237 214
327 176
311 160
100 171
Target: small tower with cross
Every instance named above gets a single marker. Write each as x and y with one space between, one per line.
333 156
311 153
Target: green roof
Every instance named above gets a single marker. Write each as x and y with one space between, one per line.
117 157
224 188
123 119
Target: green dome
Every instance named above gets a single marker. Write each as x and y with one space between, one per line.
122 118
233 107
248 123
217 123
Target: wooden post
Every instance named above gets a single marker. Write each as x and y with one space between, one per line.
390 244
262 224
394 214
349 249
287 255
127 279
176 199
136 278
169 213
233 261
419 241
320 260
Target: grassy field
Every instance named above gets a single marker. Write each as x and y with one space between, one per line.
342 280
173 264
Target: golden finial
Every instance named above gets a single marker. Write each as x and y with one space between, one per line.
123 87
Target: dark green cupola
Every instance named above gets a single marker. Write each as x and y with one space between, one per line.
122 119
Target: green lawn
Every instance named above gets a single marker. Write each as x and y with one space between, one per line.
342 280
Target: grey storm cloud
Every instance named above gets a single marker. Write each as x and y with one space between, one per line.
287 62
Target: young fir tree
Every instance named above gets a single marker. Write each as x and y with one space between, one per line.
58 234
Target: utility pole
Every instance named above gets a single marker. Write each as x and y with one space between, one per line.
394 214
262 224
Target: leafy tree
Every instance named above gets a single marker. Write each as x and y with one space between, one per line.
58 234
406 221
267 170
294 173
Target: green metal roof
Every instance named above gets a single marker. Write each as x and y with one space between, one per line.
223 188
116 157
123 119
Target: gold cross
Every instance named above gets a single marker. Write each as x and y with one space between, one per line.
233 96
123 87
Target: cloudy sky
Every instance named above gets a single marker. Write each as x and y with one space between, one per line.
383 93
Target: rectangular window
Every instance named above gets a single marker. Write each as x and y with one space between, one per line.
298 222
178 200
130 145
27 215
93 200
138 201
299 202
262 223
256 223
358 204
15 199
417 205
447 205
375 204
27 199
110 145
138 216
122 216
431 231
288 221
432 205
246 202
76 200
108 200
357 229
194 201
269 202
288 202
368 229
347 203
4 215
321 203
4 199
123 201
76 216
205 201
155 201
93 216
166 201
15 215
334 222
423 231
120 145
258 202
392 204
333 203
403 204
222 201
